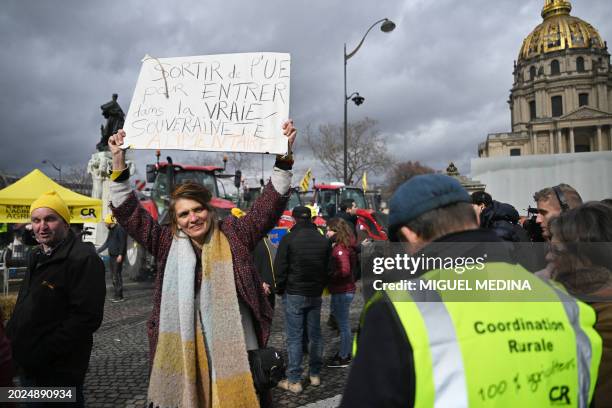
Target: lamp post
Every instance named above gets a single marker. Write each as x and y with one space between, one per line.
58 168
386 27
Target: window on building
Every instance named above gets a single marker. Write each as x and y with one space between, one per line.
515 152
532 73
580 64
583 99
532 110
556 103
555 69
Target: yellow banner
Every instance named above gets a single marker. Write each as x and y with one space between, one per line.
19 214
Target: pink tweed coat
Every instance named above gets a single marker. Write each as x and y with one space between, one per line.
243 235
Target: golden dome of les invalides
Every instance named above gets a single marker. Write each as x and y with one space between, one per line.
561 99
559 31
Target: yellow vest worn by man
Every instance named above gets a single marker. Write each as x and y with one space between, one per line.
491 352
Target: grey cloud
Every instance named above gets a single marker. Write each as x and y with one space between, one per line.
437 84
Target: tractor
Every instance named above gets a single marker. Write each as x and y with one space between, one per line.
329 196
164 176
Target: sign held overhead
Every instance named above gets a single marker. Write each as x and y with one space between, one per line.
226 102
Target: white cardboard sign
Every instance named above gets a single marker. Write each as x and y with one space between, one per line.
227 102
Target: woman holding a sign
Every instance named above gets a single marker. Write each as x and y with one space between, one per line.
209 307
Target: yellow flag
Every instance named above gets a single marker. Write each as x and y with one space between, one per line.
364 182
305 183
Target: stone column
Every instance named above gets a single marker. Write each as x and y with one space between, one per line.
100 166
534 147
551 140
560 140
572 148
599 146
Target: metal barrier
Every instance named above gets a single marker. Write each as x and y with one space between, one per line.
11 272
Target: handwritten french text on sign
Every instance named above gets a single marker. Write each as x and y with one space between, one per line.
228 102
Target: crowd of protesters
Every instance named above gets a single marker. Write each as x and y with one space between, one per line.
217 281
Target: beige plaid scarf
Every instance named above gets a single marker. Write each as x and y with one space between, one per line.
201 358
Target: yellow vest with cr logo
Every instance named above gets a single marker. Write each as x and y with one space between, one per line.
498 353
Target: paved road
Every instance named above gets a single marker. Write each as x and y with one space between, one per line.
118 369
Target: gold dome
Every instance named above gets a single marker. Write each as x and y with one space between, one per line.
559 31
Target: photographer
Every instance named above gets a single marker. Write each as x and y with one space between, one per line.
552 201
502 218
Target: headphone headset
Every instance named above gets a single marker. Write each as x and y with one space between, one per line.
561 198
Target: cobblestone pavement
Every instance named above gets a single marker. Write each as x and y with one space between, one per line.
119 364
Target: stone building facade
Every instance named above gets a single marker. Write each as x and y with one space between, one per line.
561 99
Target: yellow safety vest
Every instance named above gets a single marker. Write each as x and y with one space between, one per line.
498 353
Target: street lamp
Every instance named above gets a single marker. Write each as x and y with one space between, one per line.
58 168
386 27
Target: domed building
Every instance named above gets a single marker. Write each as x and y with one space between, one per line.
561 99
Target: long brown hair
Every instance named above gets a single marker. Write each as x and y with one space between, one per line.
584 262
344 235
195 192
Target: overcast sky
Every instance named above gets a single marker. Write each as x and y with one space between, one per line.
437 84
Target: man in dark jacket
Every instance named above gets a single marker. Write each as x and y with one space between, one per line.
301 267
116 243
348 209
433 217
502 218
60 304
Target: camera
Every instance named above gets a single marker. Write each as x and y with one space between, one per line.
532 227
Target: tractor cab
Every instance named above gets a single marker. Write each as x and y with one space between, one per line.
329 196
165 175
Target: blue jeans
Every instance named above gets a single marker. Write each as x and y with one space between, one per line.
340 308
300 311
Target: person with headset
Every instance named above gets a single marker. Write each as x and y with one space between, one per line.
552 201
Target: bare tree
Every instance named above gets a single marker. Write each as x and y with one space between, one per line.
402 172
365 147
77 175
77 179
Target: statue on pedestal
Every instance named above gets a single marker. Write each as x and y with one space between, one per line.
452 170
114 121
100 164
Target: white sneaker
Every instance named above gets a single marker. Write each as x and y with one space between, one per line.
315 380
295 388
